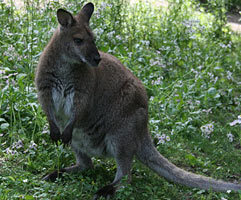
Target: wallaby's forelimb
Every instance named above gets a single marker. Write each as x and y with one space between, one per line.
46 97
54 131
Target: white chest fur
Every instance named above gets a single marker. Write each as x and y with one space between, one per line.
63 106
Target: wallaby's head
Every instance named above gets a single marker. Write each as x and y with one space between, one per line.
75 37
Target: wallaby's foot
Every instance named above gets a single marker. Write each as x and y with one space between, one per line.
53 175
107 192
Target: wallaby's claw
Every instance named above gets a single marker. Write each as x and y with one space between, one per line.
67 135
54 132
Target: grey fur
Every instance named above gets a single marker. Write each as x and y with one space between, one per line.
102 110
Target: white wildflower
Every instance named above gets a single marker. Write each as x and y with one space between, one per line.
33 145
168 138
236 121
207 129
230 137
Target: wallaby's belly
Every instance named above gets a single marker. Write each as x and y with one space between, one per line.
90 145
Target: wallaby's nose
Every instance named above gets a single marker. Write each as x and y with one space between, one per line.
97 59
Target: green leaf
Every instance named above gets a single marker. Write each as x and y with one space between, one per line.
28 197
4 126
212 91
192 160
11 178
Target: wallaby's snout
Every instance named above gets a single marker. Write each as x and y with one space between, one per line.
97 59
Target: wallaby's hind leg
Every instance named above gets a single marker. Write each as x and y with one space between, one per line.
82 162
123 169
124 162
124 144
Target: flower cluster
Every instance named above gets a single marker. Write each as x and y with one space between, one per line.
163 138
18 146
158 81
101 8
33 145
11 53
207 129
14 148
10 151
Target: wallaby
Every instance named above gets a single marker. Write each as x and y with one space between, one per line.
98 106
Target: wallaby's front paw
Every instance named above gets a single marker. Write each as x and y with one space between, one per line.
54 133
66 138
67 135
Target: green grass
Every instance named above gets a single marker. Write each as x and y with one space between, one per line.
190 64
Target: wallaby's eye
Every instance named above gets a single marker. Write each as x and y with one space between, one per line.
78 41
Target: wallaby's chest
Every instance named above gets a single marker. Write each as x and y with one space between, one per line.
63 100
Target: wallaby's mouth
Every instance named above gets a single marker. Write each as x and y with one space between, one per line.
94 61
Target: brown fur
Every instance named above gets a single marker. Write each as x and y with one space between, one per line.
93 102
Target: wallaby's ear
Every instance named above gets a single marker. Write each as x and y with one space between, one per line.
65 18
87 10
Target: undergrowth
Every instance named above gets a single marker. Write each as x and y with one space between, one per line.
190 64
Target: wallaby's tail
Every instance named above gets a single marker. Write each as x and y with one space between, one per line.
148 154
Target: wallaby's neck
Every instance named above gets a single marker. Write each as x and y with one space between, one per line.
54 48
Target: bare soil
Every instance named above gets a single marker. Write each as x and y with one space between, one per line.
234 22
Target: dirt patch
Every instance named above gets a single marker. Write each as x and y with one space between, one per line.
234 22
